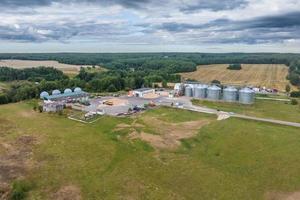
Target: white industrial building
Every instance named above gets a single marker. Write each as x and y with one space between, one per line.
50 106
143 91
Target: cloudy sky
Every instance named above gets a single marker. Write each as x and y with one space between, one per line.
150 25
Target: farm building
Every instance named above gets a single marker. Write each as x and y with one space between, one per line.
143 91
68 94
50 106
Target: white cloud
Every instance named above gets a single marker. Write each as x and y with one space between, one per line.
141 22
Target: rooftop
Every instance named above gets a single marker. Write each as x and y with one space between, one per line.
66 95
143 89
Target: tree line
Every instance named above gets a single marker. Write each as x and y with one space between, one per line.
294 73
31 74
125 71
157 60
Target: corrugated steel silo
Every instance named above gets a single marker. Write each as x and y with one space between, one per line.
214 93
230 94
246 96
56 92
188 92
67 91
200 91
77 89
44 94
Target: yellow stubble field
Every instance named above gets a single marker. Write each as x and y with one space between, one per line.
257 75
66 68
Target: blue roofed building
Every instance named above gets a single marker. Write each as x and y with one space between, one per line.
68 94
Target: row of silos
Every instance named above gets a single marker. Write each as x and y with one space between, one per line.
215 93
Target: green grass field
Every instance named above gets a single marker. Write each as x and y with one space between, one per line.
231 159
262 108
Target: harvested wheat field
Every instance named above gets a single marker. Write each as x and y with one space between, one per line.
258 75
21 64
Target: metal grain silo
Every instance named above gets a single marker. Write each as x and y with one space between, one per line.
56 92
67 91
214 92
200 91
230 94
188 92
44 94
77 89
246 96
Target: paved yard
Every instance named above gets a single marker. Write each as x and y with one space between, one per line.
129 102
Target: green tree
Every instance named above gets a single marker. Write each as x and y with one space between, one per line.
294 102
288 88
216 82
164 84
111 88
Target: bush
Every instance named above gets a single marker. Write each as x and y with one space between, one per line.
294 102
288 88
295 94
3 99
216 82
294 78
19 189
235 67
40 108
60 113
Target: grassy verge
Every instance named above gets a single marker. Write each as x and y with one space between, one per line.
262 108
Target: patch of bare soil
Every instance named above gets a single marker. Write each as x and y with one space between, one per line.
4 191
27 113
282 196
15 160
69 192
169 134
122 126
151 96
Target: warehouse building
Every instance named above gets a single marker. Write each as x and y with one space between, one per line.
142 92
50 106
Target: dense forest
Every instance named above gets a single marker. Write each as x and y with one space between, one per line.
157 60
31 74
125 71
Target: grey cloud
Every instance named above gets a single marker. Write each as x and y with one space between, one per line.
257 30
24 3
214 5
62 32
36 3
184 7
282 21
